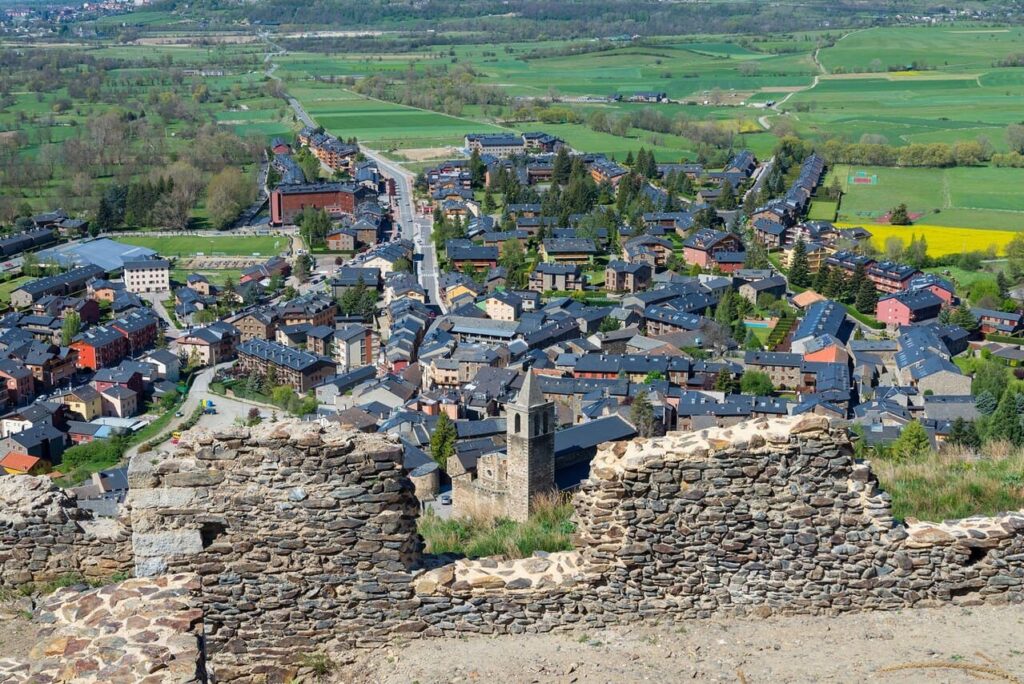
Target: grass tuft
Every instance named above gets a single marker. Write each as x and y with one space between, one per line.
482 533
955 483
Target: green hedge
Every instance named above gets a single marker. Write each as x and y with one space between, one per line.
993 337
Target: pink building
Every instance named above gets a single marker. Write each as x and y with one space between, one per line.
908 307
702 247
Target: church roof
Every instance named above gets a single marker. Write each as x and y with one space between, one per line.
530 393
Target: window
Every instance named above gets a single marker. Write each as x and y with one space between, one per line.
519 427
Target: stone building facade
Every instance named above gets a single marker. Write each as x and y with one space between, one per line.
508 484
304 538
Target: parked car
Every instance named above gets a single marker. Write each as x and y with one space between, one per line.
446 499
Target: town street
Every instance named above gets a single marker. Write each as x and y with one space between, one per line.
414 227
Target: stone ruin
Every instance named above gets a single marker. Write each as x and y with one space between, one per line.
301 538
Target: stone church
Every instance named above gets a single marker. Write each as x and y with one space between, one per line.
507 484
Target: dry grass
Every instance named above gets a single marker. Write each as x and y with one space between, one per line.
955 483
483 533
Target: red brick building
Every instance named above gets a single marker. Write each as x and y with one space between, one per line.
288 201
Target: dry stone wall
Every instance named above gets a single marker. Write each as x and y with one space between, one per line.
266 544
140 631
44 535
299 534
304 537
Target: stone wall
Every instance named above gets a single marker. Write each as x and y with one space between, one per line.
44 535
304 538
143 631
300 535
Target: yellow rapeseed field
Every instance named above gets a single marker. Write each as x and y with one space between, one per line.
942 240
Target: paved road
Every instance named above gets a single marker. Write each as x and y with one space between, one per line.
413 226
761 174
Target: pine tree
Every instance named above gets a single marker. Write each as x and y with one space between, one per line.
799 270
561 167
963 317
727 200
821 279
1006 421
641 414
70 326
986 403
1003 284
489 206
867 298
104 215
963 433
899 216
629 159
442 441
912 442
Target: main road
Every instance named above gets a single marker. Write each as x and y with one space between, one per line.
414 227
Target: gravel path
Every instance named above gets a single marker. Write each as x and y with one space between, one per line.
939 645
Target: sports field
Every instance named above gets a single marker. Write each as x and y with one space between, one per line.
968 197
210 246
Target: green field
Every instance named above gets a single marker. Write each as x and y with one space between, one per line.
955 93
383 125
217 277
968 197
266 246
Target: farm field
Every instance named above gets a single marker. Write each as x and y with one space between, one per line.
956 91
942 240
986 198
229 245
383 125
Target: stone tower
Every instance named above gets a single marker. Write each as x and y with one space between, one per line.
531 448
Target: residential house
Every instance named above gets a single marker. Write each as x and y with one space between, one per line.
354 346
65 283
298 369
42 441
462 253
100 347
568 250
17 463
210 345
556 277
258 324
774 286
503 306
907 308
119 402
784 369
703 246
999 322
82 402
620 276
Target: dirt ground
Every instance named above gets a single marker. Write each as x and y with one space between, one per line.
18 634
952 644
419 154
